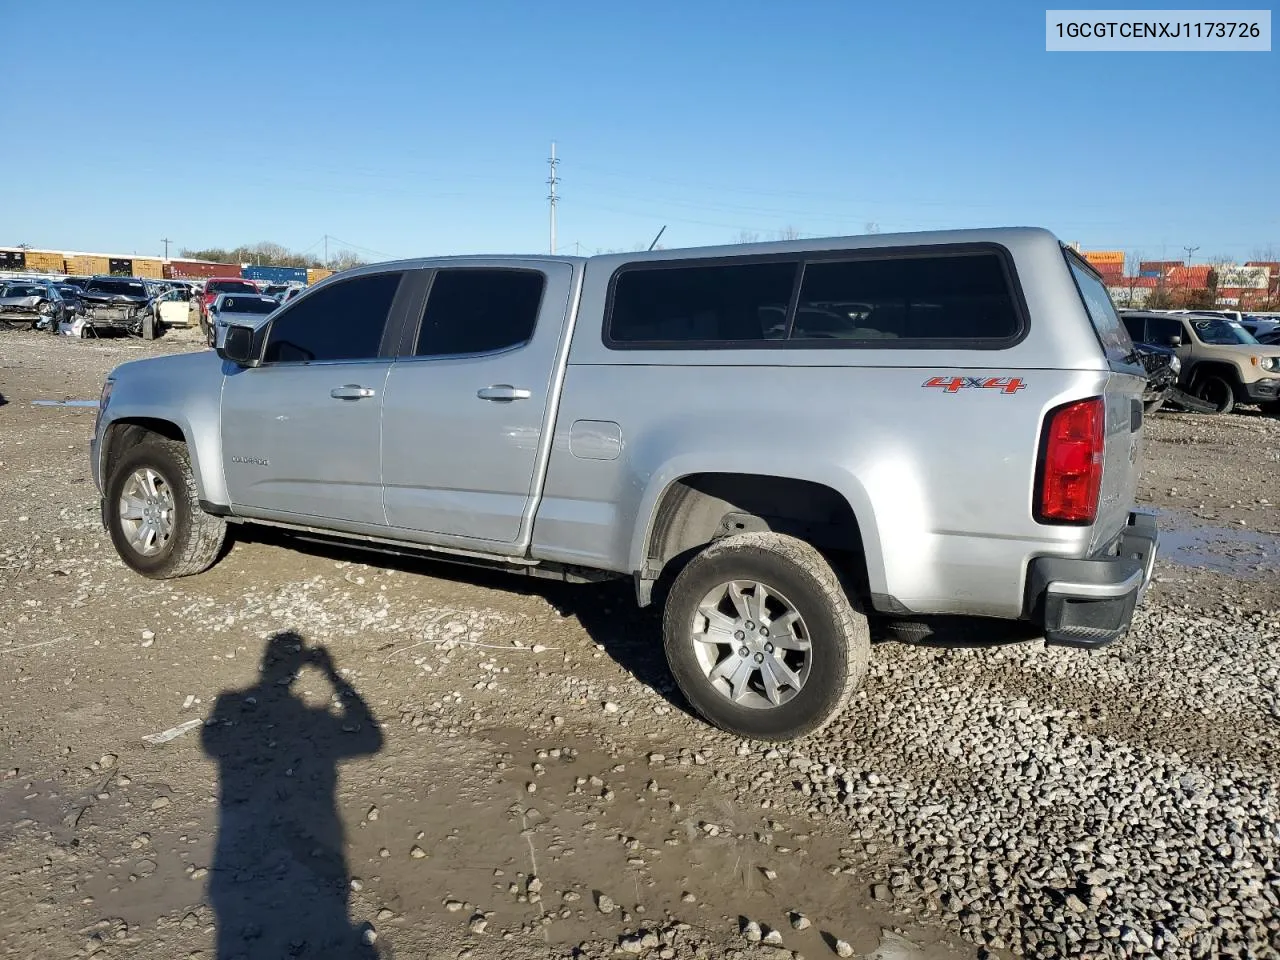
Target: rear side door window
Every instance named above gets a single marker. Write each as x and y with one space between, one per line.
478 310
343 321
1136 328
1162 330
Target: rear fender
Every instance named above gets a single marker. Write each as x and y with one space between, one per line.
845 484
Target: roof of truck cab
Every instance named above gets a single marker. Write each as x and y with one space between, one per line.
1003 236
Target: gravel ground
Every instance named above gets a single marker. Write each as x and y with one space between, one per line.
403 759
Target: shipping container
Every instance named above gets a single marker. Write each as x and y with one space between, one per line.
1189 277
13 260
275 274
87 265
150 267
120 266
46 261
1164 266
1104 256
199 270
316 274
1229 275
1153 274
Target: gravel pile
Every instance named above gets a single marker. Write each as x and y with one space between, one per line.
1062 804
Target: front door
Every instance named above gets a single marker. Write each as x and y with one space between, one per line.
463 416
301 433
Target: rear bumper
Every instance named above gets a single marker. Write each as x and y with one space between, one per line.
1089 603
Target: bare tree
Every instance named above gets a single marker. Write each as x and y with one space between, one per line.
747 236
1133 270
788 233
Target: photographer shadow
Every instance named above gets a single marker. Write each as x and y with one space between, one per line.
279 881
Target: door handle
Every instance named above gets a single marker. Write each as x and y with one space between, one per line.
503 392
351 391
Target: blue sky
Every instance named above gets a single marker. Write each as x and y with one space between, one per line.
423 128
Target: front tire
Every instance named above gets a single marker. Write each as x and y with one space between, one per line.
778 599
1218 392
152 512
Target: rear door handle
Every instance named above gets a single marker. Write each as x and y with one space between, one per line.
502 392
351 391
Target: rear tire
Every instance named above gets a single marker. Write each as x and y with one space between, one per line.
154 478
824 651
1218 392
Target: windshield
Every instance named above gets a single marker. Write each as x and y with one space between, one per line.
132 288
23 291
247 305
231 286
1221 332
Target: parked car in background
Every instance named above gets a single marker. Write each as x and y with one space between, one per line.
119 303
37 303
965 443
77 282
1260 325
209 292
173 307
1222 363
1270 338
71 294
243 308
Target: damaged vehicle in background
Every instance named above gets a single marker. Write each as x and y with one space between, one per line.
1163 367
1222 364
117 303
39 304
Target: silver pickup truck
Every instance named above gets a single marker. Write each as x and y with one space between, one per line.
775 441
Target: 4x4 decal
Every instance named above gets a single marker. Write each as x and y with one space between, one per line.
956 384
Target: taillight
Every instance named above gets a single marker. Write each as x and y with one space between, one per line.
1070 476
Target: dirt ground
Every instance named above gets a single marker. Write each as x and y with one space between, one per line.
405 759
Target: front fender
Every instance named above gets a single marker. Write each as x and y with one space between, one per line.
183 390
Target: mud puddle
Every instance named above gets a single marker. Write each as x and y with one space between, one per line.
1189 542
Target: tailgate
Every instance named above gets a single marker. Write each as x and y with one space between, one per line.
1121 460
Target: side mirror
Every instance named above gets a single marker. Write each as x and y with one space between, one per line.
1175 340
241 346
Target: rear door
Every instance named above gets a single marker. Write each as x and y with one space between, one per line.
466 403
301 433
1123 395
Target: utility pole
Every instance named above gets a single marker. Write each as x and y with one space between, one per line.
326 250
166 241
552 181
1190 251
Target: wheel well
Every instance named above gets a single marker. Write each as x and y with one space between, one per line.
1215 368
703 507
125 434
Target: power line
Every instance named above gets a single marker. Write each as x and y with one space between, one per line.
552 180
356 246
166 241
